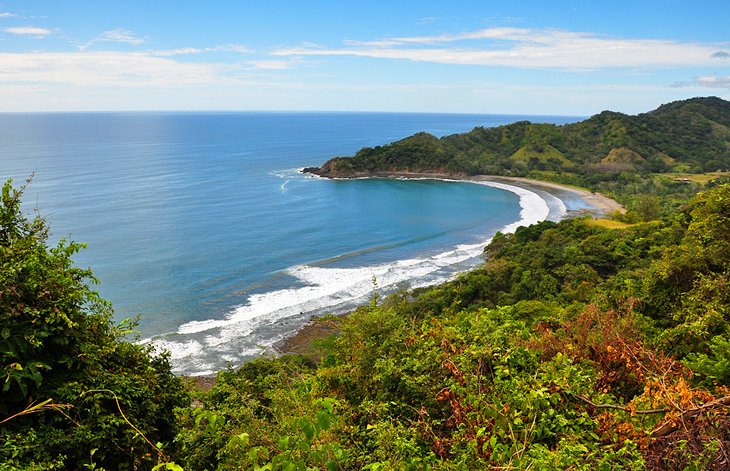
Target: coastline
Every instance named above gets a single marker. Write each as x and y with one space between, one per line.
602 203
301 341
199 347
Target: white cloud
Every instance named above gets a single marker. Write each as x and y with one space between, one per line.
176 52
525 48
127 69
705 81
511 34
5 14
237 48
32 31
270 65
267 64
120 36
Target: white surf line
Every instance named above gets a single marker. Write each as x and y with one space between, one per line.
534 207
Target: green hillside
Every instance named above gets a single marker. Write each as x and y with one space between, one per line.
684 136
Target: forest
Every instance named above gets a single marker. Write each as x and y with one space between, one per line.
690 136
576 345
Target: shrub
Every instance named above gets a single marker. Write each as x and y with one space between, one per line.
74 393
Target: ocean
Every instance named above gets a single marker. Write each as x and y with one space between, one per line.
202 225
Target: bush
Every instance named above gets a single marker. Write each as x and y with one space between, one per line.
74 393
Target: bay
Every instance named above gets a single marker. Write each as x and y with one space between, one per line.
201 223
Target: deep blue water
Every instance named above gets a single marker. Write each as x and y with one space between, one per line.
202 225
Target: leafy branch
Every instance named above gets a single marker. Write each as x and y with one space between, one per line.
615 407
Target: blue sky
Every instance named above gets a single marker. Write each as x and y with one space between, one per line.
514 57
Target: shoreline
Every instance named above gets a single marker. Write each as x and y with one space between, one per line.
300 342
601 202
598 200
339 290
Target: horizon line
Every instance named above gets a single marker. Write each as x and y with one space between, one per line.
275 111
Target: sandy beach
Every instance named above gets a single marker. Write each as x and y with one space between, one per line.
602 202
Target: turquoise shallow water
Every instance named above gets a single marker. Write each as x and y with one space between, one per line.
202 224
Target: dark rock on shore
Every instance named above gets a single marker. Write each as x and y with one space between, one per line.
316 329
326 170
312 170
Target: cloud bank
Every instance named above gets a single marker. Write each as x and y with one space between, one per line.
525 48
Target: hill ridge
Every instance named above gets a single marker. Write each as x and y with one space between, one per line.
690 135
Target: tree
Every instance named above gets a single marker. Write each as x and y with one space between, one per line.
104 400
648 207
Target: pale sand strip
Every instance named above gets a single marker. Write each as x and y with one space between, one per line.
600 201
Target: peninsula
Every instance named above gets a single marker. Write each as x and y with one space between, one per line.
613 161
684 136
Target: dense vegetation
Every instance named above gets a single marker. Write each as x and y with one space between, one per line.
575 346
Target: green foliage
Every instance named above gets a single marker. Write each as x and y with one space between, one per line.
266 415
685 290
41 305
715 364
533 263
692 134
561 352
112 400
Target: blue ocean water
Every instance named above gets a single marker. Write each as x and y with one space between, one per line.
202 224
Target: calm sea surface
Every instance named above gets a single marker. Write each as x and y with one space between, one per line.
202 225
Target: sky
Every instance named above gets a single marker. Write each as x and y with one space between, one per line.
573 58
